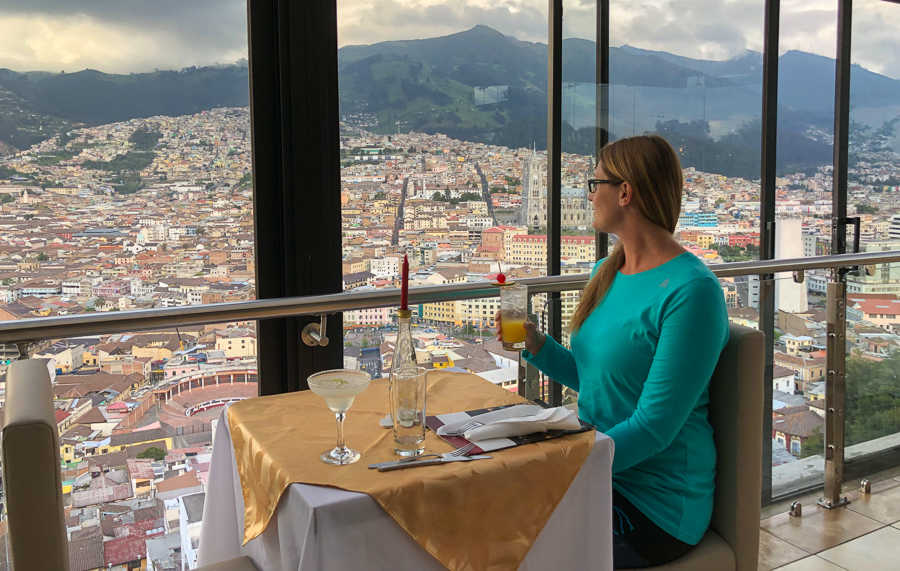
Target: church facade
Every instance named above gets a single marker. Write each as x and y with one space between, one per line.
576 209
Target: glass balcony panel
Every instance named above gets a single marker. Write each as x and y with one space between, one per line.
872 420
798 384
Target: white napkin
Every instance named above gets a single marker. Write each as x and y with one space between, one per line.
558 418
518 411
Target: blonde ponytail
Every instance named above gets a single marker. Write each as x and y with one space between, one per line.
597 287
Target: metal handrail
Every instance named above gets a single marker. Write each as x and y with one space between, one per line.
61 327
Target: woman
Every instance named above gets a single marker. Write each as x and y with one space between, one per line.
646 337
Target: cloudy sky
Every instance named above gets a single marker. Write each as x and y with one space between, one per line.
121 36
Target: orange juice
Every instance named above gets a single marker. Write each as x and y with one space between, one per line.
512 328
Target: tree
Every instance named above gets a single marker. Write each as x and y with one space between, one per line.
42 257
153 453
815 444
866 209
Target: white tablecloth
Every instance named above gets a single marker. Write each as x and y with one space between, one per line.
326 529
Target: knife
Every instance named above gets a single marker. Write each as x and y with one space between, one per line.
404 463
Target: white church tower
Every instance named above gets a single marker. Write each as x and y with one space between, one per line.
534 193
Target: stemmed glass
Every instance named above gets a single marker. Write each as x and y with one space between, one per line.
339 387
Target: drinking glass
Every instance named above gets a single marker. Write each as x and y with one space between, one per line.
513 313
408 387
339 387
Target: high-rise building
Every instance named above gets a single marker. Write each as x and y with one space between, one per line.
894 230
789 295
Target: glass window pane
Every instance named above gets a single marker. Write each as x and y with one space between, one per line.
699 87
125 183
805 145
872 422
443 146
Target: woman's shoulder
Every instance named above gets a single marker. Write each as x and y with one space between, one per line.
689 276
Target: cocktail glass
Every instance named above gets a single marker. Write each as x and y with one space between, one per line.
513 313
339 387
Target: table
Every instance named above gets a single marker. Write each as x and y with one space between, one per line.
317 528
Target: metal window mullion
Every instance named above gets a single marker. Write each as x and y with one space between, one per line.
768 150
296 173
841 129
601 239
266 153
554 175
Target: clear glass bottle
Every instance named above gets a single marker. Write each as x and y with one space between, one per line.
407 392
405 350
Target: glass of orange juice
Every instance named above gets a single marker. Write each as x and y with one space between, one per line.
513 313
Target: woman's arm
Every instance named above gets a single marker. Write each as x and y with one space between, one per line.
694 330
556 362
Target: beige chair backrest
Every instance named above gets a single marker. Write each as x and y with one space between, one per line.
736 415
32 482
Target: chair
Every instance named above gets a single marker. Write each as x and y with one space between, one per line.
32 480
736 414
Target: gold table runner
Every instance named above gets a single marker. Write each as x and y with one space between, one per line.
476 515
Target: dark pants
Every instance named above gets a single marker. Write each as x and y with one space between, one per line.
637 541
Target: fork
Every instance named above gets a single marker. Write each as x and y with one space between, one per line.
454 454
462 429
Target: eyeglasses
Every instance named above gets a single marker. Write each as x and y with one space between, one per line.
593 183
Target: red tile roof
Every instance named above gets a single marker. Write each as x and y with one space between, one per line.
800 424
140 469
86 553
125 549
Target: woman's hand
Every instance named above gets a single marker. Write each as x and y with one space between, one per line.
534 339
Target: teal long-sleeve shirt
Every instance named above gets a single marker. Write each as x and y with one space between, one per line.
641 364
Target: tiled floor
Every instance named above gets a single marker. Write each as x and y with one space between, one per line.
863 536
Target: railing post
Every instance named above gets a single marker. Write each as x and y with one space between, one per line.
835 394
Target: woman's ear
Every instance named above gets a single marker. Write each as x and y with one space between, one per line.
626 194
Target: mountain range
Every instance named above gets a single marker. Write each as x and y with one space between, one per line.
482 85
